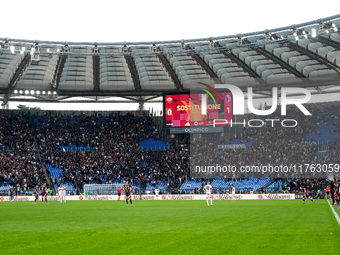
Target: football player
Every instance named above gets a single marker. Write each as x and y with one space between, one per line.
208 189
128 191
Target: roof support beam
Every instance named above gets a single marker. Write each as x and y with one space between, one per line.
204 65
277 60
310 54
96 73
134 73
36 100
150 98
58 71
15 78
130 98
171 72
19 70
326 41
240 63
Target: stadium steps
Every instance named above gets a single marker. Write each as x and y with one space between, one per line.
247 185
323 133
268 184
4 189
152 144
54 171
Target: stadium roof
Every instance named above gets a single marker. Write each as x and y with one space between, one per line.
305 55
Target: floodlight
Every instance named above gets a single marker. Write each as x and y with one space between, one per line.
314 32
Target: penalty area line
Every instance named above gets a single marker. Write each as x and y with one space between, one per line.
334 212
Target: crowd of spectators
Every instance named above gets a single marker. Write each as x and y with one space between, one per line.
114 155
30 141
273 145
312 185
20 163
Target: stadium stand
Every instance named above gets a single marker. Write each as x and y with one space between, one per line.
118 151
152 144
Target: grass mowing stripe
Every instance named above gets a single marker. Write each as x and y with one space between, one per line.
168 227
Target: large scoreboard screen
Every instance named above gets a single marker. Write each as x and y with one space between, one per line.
185 110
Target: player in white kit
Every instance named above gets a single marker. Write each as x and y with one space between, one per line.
208 190
64 193
233 197
156 193
59 194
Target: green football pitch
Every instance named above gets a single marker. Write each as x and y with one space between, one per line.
169 227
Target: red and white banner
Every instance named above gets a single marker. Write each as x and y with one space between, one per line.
161 197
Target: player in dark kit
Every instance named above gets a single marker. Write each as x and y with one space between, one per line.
332 192
337 194
44 193
128 190
11 193
306 195
36 194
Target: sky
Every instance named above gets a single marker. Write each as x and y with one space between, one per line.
150 20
